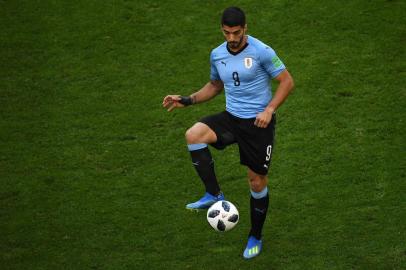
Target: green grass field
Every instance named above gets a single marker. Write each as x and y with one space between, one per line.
95 174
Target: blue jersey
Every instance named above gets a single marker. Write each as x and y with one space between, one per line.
246 76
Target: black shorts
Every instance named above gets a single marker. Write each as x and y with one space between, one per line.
255 144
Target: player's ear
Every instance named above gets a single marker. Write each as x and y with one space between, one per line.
245 28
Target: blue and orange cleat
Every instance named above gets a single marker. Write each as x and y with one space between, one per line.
205 202
253 248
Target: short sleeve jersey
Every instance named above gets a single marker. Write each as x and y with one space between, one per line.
246 76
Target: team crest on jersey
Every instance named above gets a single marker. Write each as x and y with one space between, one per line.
248 62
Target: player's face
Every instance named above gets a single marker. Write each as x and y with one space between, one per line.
234 36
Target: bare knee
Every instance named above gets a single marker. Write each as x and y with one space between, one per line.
257 182
192 136
200 133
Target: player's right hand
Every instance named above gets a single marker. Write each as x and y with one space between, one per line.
171 102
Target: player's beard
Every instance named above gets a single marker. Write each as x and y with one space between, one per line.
236 44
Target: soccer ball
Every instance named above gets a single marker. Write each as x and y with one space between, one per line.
222 216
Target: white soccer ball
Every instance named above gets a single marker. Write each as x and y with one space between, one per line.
223 216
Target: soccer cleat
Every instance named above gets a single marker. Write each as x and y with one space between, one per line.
205 202
253 248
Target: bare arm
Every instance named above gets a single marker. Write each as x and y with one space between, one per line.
285 86
210 90
207 92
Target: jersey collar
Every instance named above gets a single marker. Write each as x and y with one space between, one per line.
240 50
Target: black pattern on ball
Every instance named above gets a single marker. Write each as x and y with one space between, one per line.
221 226
233 218
226 206
214 213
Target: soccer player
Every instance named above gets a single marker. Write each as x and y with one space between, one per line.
243 66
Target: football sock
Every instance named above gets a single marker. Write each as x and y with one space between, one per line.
259 206
204 165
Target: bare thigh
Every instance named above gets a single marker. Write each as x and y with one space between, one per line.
200 133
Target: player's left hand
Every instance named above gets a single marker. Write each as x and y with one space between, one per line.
263 119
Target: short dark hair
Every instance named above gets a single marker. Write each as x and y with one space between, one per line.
233 16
